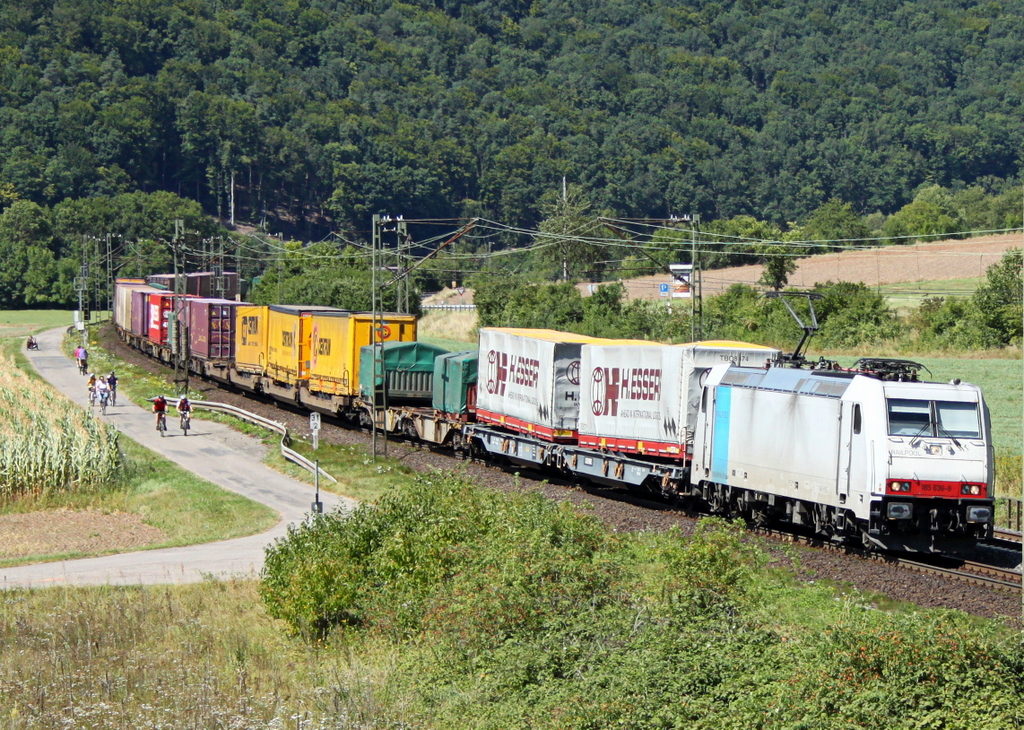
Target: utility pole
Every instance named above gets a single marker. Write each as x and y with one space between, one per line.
177 329
110 278
381 225
219 281
696 284
82 287
238 270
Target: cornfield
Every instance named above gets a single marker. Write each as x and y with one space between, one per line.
47 444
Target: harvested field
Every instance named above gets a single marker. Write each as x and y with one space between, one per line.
937 261
67 532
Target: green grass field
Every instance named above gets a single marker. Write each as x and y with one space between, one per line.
906 297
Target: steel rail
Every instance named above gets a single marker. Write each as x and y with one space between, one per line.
978 573
965 576
1005 535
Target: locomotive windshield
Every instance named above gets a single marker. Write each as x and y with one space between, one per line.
951 419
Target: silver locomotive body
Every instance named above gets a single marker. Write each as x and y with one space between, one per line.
894 465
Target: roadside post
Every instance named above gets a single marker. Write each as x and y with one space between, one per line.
314 426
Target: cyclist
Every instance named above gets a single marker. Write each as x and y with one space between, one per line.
103 391
32 344
160 409
112 382
184 412
82 359
92 388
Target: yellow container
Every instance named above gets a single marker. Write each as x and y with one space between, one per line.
251 338
336 338
289 335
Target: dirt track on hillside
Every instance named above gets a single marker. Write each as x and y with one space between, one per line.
876 266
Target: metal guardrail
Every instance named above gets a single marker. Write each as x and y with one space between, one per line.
289 454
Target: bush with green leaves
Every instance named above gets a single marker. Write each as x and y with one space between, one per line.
495 611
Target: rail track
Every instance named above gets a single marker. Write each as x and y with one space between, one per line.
1001 533
965 571
970 572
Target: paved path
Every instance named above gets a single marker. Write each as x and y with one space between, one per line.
214 452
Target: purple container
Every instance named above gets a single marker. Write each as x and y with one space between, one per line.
140 312
211 328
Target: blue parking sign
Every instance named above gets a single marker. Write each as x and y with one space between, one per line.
663 288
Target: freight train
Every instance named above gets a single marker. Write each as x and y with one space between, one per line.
869 455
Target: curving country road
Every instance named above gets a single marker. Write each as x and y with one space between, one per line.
212 451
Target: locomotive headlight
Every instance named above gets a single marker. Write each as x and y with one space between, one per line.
900 511
979 514
906 486
972 489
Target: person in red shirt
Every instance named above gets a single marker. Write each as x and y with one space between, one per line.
160 409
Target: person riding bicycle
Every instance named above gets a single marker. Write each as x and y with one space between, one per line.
81 358
91 386
32 344
184 409
160 409
112 383
103 390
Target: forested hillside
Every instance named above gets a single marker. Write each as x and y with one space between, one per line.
326 112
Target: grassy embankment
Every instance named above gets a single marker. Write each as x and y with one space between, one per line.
447 606
185 508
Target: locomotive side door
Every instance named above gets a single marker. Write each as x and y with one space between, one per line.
855 457
705 418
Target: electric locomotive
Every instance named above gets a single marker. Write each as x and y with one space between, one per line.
870 455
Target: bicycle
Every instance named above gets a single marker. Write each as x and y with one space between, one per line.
185 422
83 367
92 396
104 401
113 397
161 424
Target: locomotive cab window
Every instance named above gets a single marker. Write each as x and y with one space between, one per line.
959 420
933 418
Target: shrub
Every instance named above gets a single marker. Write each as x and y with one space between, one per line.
385 565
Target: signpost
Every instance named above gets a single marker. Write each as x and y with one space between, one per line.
314 426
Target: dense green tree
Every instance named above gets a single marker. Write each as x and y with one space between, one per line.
778 264
999 298
835 221
323 275
313 116
28 270
921 220
567 233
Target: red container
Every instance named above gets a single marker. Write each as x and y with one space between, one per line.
161 307
211 328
